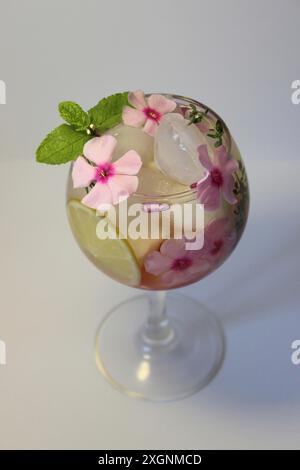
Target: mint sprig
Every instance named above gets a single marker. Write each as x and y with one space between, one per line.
61 145
73 114
108 112
65 143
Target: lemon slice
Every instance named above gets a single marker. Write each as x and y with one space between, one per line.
113 256
141 247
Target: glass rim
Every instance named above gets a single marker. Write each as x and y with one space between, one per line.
192 192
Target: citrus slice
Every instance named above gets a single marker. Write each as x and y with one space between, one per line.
112 255
141 247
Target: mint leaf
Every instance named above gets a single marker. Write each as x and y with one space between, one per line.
66 142
73 114
61 145
108 112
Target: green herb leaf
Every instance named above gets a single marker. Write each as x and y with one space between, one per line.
73 114
108 112
196 116
219 127
62 145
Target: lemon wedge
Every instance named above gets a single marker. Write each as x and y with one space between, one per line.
113 256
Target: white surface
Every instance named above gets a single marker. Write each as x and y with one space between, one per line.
239 57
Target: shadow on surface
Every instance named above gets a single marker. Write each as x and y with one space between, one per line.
260 322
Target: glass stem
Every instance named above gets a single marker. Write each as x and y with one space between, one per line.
157 329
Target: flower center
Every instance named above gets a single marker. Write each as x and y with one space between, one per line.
181 264
216 177
152 114
104 172
217 245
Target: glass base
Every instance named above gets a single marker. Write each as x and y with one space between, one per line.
162 362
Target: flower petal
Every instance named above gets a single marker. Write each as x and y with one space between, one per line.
231 166
155 263
150 127
129 164
204 158
100 194
83 173
203 126
216 229
137 99
161 104
173 248
100 149
173 278
133 117
203 184
121 186
201 266
178 278
227 188
222 156
208 195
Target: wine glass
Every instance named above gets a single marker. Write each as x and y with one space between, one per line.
160 346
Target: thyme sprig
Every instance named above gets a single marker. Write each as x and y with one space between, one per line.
196 116
217 133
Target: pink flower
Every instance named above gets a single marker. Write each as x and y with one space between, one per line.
113 182
219 240
174 264
148 112
218 180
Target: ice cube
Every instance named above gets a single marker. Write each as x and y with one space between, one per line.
133 138
153 181
175 151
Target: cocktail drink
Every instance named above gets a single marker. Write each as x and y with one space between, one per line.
158 201
172 163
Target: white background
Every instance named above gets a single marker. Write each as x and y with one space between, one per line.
240 57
